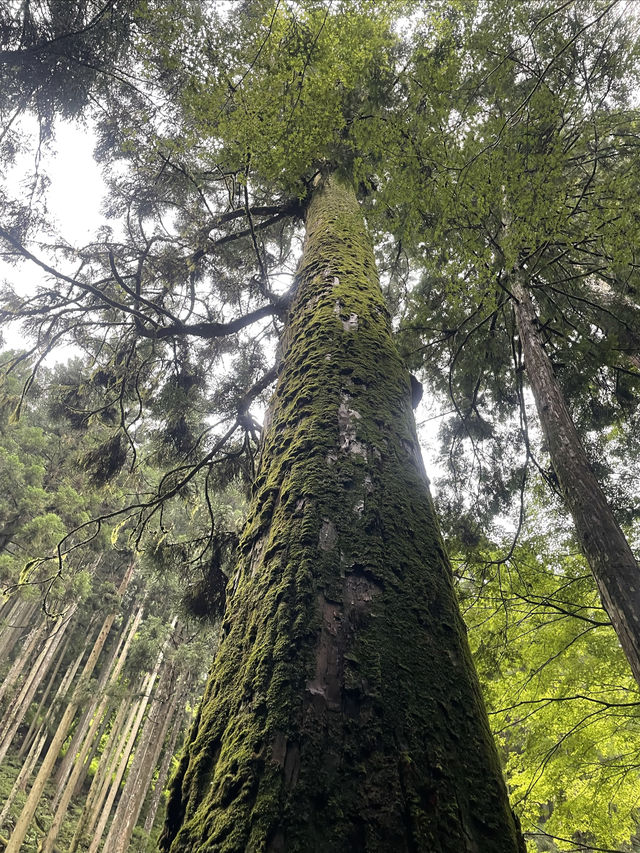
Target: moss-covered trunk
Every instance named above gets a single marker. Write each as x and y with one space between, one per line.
342 713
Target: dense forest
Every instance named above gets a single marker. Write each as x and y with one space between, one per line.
235 614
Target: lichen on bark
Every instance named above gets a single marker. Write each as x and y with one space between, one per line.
342 712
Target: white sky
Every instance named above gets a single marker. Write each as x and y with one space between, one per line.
74 200
77 188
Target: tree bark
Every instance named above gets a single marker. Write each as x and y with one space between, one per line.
16 615
25 771
111 785
95 740
343 712
106 766
84 723
25 746
111 749
13 719
103 697
169 751
603 543
17 667
122 764
26 816
144 763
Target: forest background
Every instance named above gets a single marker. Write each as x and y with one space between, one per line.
494 147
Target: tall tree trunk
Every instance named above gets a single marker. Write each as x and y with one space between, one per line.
26 816
343 712
16 615
107 795
85 721
144 762
111 749
35 723
13 719
26 770
67 792
95 740
60 692
17 667
106 766
603 543
169 750
122 765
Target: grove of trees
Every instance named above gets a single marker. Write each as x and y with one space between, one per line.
306 200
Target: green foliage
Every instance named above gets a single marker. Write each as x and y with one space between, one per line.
562 703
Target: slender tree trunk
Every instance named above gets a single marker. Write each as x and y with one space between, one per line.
111 767
85 721
38 720
19 614
26 770
603 543
122 765
35 723
34 754
95 741
144 762
169 751
343 712
18 666
67 793
106 797
61 691
22 825
20 706
107 764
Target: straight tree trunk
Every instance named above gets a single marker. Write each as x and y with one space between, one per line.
34 754
85 721
122 765
60 692
106 766
144 762
18 666
111 748
28 738
93 750
21 704
603 543
115 758
26 816
111 785
343 712
169 751
78 768
17 614
25 771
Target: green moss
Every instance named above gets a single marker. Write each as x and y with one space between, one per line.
342 712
